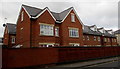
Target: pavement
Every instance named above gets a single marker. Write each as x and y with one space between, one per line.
92 63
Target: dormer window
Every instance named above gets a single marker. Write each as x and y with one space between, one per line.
22 15
72 17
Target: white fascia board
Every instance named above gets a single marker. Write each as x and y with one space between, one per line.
26 11
67 15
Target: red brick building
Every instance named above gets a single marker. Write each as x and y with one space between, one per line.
42 28
9 35
93 36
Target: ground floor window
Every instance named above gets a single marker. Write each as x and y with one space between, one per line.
46 44
74 44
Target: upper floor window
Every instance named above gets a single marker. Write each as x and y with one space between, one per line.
57 31
88 38
72 17
73 32
98 38
94 38
108 40
22 15
83 37
13 39
46 30
105 39
115 40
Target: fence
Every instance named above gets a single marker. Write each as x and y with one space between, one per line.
23 57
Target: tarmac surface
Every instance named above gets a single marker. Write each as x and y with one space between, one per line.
107 63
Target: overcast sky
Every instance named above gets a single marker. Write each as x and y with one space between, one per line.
103 13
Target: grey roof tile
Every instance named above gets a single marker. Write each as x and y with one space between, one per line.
117 32
87 30
35 11
11 28
32 10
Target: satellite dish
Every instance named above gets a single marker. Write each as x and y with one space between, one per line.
4 25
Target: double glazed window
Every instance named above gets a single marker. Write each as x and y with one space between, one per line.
72 17
56 31
22 15
46 30
94 38
73 32
74 44
13 39
98 38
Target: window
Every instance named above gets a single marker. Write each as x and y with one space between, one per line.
88 38
83 37
73 32
46 45
108 40
74 44
13 39
72 17
115 40
105 39
22 15
94 38
56 31
57 44
46 30
98 38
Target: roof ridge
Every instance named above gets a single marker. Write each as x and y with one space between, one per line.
32 7
11 23
66 9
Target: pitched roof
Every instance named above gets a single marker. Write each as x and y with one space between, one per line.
117 32
87 30
11 28
106 33
33 12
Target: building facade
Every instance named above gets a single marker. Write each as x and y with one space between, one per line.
117 34
9 35
43 28
93 36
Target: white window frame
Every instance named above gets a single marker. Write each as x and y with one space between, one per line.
22 15
72 17
105 39
13 40
47 29
76 32
98 38
88 38
95 38
56 31
74 44
108 40
47 44
83 37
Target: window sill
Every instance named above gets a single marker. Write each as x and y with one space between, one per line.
47 35
56 36
74 37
